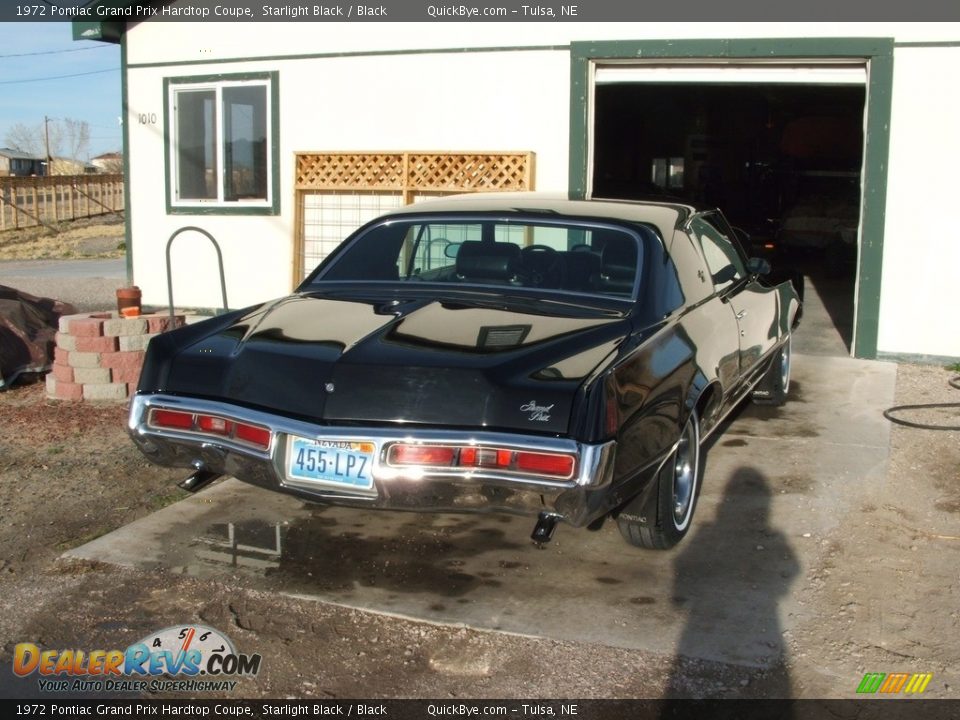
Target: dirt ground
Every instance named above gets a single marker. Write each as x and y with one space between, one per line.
96 237
68 473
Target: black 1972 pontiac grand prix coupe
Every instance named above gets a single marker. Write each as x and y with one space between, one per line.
520 353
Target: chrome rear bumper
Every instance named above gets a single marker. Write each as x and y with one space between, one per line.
578 500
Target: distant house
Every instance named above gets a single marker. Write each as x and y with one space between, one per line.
21 164
71 166
111 163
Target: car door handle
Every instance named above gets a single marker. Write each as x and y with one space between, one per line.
741 314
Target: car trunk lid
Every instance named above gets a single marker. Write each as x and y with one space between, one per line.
480 361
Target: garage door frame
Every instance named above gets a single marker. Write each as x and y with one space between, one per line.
878 54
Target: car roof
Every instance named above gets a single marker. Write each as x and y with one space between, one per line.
664 214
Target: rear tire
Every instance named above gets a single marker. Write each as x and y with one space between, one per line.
775 384
663 518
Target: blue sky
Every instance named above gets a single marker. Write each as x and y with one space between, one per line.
94 98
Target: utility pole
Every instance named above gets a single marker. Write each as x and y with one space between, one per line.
46 139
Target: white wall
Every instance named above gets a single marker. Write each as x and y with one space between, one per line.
921 246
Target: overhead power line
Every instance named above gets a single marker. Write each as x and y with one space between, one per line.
56 52
58 77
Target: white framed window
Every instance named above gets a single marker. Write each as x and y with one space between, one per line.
222 144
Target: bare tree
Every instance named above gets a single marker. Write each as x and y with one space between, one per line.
76 138
26 138
67 137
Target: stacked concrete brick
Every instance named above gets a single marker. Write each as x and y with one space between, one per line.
99 355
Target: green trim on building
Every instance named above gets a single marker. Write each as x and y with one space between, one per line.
878 52
928 44
273 208
874 212
354 54
127 200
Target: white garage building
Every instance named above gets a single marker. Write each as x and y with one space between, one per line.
278 138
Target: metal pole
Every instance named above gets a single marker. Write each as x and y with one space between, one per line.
216 246
46 138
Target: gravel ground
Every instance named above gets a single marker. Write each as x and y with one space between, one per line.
86 294
83 265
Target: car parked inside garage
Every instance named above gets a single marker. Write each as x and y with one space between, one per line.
520 353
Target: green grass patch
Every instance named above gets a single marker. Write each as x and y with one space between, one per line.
99 531
160 500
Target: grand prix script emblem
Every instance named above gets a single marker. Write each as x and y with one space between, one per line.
538 413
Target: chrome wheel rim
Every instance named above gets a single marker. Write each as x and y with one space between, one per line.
685 475
785 367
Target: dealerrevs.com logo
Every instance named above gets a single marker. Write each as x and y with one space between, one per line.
182 658
894 683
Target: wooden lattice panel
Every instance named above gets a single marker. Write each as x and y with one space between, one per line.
415 172
468 172
350 171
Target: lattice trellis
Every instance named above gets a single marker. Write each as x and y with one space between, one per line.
335 191
415 172
469 171
350 171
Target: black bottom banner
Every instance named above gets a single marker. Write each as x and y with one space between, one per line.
887 709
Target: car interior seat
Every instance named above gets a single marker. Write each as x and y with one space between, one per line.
488 262
618 264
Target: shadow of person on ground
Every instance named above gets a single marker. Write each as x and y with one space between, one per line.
728 579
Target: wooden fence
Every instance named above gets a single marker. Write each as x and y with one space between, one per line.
30 201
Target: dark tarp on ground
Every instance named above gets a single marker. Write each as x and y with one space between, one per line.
28 326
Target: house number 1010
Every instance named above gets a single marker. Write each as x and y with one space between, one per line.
147 118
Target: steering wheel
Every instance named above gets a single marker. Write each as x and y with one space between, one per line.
544 264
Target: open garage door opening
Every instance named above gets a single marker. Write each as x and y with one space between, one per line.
779 147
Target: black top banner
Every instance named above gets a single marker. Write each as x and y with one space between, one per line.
477 10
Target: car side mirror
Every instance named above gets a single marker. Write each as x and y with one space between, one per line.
451 250
758 266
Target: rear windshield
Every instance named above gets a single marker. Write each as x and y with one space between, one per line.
551 256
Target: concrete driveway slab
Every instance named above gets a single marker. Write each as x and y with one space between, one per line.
776 482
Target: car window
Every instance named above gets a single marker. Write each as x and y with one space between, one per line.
560 256
723 259
430 246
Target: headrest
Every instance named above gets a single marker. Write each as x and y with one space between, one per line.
619 250
488 261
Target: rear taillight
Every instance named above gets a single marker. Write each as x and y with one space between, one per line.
214 424
253 434
546 464
485 457
204 424
171 419
472 457
422 455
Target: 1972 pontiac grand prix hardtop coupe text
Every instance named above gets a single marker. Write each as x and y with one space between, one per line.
519 353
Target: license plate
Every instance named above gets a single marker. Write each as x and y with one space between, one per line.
342 463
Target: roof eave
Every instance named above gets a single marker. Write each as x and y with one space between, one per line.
110 30
105 31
